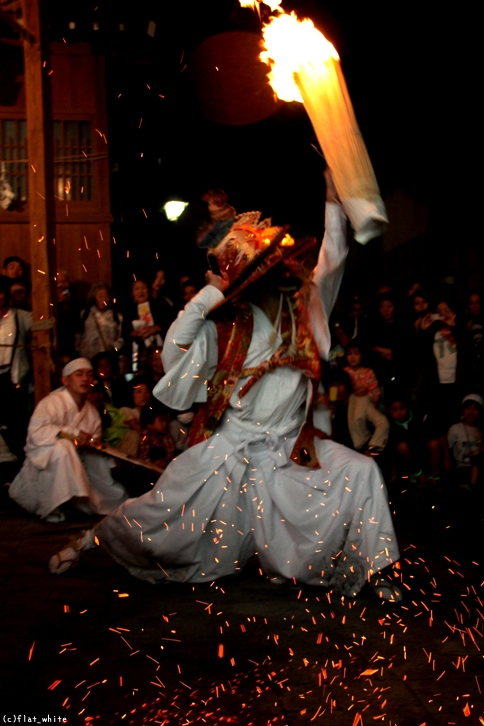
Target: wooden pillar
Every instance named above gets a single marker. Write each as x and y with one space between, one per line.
40 195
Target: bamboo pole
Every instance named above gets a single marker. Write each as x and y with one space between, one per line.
41 197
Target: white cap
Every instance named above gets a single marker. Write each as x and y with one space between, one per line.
475 397
75 365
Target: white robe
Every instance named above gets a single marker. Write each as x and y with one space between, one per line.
54 471
238 493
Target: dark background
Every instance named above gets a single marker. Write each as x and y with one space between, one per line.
168 132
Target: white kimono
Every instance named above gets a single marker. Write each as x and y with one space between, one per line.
54 471
238 493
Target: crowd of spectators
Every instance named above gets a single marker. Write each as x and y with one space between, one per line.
404 382
417 359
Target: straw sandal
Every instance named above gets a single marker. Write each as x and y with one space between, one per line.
70 556
64 560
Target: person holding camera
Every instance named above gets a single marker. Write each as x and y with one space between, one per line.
442 348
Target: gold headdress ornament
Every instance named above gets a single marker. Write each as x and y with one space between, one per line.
251 248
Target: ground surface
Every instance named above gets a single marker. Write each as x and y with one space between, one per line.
96 646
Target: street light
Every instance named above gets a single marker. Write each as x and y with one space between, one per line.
174 209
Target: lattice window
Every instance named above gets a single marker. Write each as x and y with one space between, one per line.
72 165
72 158
13 155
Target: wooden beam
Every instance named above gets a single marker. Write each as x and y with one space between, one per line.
40 196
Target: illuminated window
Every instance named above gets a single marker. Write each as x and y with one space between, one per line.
72 164
13 155
72 158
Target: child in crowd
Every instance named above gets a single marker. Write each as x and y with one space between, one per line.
413 445
140 396
156 442
363 379
154 366
188 289
116 431
156 446
421 308
465 441
96 397
106 371
356 422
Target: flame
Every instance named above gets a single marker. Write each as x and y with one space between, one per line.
289 44
254 4
287 241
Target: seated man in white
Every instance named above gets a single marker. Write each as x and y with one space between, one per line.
56 469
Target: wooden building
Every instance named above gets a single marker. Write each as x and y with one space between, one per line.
81 165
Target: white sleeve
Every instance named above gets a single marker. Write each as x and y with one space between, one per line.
327 276
25 318
183 331
190 353
46 422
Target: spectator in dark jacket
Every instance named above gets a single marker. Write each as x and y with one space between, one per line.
390 345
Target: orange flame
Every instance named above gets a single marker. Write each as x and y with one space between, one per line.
289 44
254 4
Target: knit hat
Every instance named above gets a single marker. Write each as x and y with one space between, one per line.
75 365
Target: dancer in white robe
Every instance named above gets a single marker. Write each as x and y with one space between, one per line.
239 493
55 470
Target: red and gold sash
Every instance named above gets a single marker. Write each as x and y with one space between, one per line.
233 342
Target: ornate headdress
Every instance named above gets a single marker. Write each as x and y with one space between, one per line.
251 248
244 246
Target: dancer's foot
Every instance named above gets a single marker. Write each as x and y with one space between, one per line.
385 590
64 560
69 557
56 516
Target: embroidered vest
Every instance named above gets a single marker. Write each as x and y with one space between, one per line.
234 338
